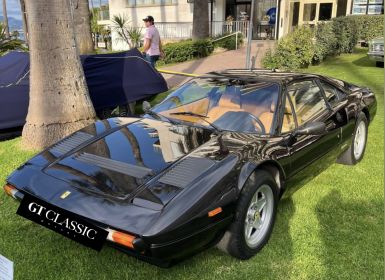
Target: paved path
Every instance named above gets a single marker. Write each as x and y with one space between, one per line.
218 62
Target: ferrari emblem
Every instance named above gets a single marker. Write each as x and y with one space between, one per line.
65 194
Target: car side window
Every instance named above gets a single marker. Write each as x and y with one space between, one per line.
333 94
307 100
288 122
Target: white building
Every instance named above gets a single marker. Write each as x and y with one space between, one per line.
174 18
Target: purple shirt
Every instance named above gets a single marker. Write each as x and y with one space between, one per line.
153 34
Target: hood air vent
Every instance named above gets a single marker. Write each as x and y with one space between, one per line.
70 143
138 172
186 171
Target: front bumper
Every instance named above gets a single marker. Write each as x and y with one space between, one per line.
168 252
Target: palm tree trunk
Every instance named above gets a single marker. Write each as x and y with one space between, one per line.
5 19
59 103
24 16
200 20
83 36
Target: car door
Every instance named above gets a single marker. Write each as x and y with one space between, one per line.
309 154
338 101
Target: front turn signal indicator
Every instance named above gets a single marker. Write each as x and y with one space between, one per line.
214 212
122 238
10 190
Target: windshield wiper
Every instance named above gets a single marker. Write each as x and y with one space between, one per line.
160 116
202 117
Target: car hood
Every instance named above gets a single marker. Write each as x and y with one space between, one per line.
121 160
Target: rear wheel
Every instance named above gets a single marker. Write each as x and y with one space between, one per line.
357 147
254 217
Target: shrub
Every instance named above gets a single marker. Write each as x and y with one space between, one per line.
186 50
326 41
349 30
369 26
294 51
229 43
304 46
346 33
203 47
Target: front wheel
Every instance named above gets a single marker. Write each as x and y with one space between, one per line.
254 217
357 148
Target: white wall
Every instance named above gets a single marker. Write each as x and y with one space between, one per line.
179 12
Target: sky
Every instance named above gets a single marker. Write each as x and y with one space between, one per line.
13 7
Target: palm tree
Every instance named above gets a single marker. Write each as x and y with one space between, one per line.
81 14
200 20
119 26
8 43
59 103
5 16
24 17
126 33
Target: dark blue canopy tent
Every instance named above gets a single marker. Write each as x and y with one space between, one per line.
113 80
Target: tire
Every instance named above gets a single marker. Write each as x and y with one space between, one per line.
355 153
234 241
379 64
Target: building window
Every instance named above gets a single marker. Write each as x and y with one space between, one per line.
341 8
138 3
370 7
309 11
325 11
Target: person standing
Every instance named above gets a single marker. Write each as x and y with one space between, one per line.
152 43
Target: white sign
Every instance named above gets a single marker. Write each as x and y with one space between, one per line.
6 269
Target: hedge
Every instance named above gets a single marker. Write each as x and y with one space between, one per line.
229 42
186 50
369 26
305 45
294 51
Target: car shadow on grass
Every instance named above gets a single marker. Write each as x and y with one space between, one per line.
364 62
352 234
274 261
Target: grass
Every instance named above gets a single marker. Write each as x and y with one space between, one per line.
332 228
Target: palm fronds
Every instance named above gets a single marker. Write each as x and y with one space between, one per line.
126 33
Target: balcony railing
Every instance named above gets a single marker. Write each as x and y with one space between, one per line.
218 28
174 30
183 30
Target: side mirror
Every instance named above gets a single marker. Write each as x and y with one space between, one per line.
146 106
313 128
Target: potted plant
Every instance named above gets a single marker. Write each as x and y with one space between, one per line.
265 20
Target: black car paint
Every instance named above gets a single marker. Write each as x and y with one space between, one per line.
172 222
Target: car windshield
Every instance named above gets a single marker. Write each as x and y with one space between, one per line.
227 104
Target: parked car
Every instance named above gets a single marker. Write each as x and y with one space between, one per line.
114 81
376 51
206 166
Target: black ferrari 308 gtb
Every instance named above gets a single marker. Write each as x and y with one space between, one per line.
206 166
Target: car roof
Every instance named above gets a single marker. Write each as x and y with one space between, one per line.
264 75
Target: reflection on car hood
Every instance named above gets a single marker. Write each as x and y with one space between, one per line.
118 163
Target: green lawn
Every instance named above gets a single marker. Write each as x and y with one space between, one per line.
332 228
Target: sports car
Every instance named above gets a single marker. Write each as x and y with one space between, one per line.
206 166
